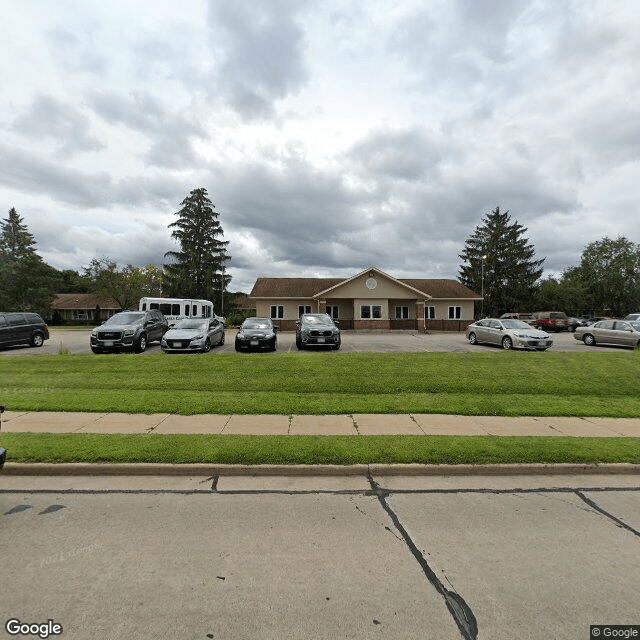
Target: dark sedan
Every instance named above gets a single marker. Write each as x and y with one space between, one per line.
257 333
317 330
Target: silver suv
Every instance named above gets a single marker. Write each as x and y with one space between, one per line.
317 330
129 331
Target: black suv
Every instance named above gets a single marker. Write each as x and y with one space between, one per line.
129 331
317 330
22 329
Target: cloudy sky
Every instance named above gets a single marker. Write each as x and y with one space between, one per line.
331 135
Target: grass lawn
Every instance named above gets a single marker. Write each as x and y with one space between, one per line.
505 383
310 450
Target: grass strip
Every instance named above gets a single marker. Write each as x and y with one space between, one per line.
495 383
312 450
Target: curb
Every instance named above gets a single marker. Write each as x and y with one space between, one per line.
151 469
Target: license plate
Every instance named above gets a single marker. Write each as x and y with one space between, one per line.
320 340
179 345
108 343
254 343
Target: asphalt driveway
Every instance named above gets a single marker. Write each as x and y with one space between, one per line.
77 342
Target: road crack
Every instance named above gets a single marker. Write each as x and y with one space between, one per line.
458 608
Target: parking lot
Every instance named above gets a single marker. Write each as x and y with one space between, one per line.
77 342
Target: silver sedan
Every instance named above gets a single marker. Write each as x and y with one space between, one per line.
509 334
193 334
616 332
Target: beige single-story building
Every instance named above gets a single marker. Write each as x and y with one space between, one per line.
81 307
371 299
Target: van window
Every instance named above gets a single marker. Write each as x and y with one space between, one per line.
16 319
154 305
165 308
144 306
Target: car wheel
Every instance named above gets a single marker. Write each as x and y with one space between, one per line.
298 343
473 339
37 340
335 347
221 340
96 349
141 345
207 346
588 339
507 343
275 345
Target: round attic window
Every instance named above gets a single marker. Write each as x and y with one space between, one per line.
371 283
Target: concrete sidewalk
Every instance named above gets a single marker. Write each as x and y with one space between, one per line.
356 424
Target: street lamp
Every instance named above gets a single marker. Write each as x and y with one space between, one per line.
482 259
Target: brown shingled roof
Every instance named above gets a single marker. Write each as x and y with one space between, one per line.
82 301
308 287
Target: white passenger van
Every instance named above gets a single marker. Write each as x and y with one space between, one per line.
174 309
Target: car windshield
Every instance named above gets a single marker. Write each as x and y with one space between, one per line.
191 323
256 323
635 325
515 324
125 318
316 319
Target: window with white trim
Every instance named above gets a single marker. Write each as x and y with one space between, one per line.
455 313
333 311
370 311
430 313
402 313
277 311
303 309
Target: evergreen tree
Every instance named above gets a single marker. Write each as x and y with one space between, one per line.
26 281
197 269
499 261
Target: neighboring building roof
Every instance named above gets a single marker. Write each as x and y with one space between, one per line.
309 287
82 301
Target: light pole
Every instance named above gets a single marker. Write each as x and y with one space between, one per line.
482 258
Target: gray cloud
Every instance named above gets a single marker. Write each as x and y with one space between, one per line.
261 46
51 119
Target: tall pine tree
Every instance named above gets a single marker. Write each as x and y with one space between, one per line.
499 260
197 269
25 280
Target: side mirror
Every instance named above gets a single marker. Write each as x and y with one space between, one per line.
336 322
276 329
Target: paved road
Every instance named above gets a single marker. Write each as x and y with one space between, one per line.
75 341
258 558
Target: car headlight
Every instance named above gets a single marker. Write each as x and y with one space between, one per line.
129 332
196 338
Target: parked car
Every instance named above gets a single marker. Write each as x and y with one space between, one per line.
509 334
257 333
529 318
318 330
193 334
574 323
22 329
613 332
551 321
129 331
633 316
